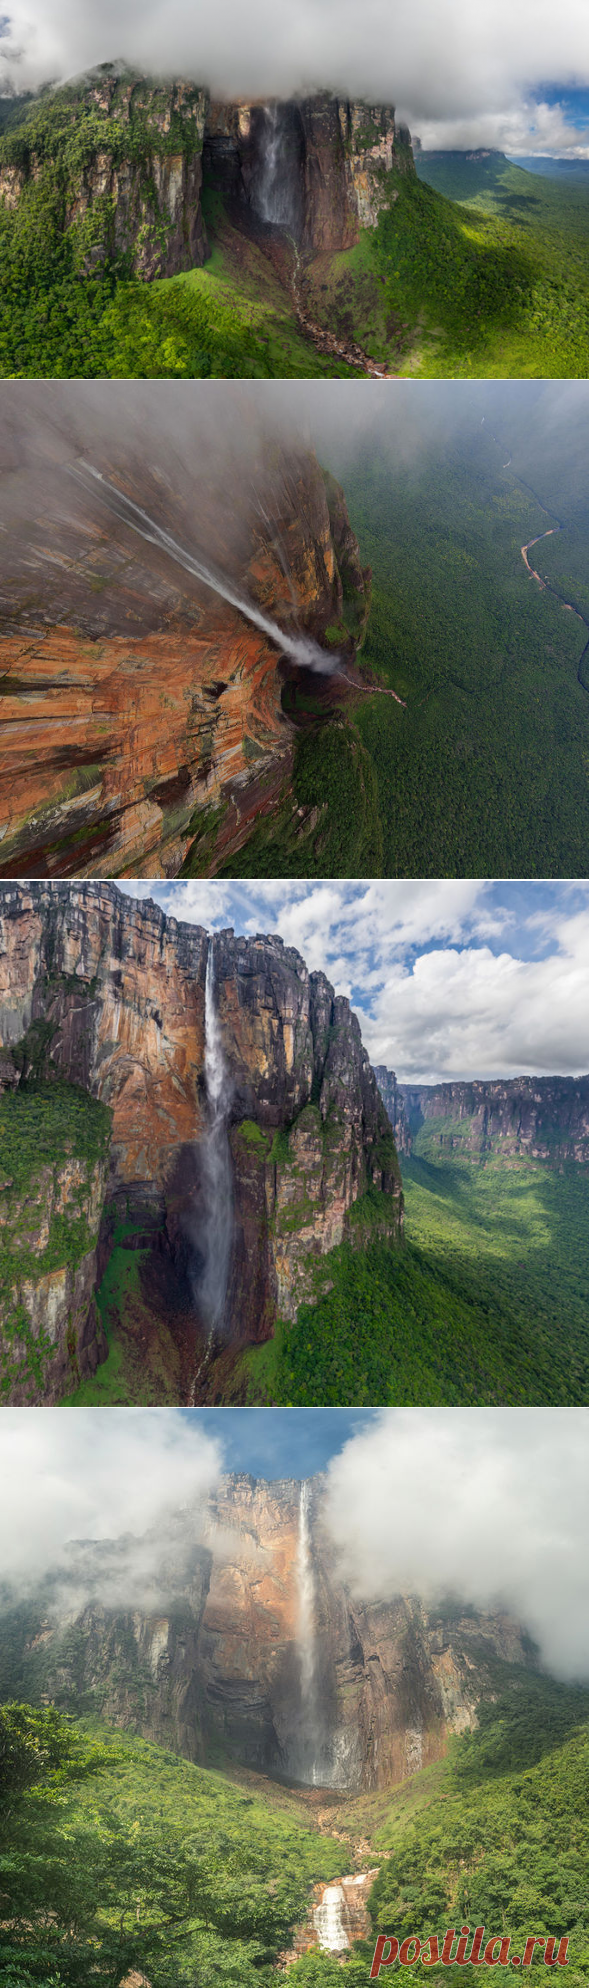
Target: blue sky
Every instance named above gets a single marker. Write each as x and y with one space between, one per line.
281 1442
449 979
574 103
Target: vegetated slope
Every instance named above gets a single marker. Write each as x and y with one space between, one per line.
504 1841
485 772
488 1302
117 1855
433 289
54 1140
546 224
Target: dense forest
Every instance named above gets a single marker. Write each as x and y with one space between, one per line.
119 1859
486 772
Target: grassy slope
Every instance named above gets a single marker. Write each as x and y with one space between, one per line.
504 1841
487 771
488 1302
539 225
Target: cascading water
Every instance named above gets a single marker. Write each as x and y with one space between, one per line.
217 1184
300 649
330 1920
274 193
306 1643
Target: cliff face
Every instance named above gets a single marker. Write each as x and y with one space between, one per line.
124 155
337 162
215 1669
107 994
142 711
538 1118
394 1100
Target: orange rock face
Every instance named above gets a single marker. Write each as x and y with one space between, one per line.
223 1648
108 994
135 700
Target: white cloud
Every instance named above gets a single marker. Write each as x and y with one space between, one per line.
451 68
476 1013
82 1474
434 968
489 1504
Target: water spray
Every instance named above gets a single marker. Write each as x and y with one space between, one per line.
301 649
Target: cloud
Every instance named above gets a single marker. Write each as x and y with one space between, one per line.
478 1013
490 1505
449 67
450 979
70 1475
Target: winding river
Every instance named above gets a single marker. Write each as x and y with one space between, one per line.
546 585
569 606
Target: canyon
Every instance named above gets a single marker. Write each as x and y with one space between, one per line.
198 1636
235 1103
143 705
518 1118
319 167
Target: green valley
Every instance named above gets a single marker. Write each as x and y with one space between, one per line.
487 1302
116 1855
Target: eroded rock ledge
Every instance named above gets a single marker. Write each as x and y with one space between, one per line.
142 713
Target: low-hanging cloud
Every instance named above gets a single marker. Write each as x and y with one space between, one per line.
74 1482
488 1505
459 74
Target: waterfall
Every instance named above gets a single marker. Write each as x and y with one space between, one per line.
330 1919
300 649
274 193
216 1166
306 1641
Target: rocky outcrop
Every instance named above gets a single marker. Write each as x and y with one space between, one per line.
337 1916
123 157
51 1335
143 719
106 993
521 1118
212 1666
393 1097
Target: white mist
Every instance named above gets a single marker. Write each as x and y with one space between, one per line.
300 649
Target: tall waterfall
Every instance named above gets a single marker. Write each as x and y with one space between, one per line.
300 649
216 1165
274 191
306 1641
